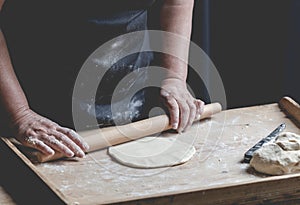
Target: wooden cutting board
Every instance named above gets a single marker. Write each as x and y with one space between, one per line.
5 198
214 175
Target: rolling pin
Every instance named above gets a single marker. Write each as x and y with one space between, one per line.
291 108
101 138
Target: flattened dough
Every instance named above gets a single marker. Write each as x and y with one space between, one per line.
279 157
152 152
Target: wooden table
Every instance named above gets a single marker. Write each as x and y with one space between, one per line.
5 198
215 175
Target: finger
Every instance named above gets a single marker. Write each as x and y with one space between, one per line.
39 145
75 137
191 118
164 93
184 115
52 142
30 133
174 111
199 108
198 113
69 143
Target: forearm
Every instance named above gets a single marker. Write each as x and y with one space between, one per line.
176 17
12 97
30 128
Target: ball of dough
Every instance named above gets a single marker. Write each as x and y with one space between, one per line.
279 157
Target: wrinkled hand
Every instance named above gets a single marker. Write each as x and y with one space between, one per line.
38 132
183 107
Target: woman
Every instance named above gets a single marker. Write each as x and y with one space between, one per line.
49 42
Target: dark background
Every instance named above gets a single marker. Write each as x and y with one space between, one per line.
254 45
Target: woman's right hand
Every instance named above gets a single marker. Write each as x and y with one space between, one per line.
33 130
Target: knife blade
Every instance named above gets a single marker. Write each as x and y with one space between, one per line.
249 154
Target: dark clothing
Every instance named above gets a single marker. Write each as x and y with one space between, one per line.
49 42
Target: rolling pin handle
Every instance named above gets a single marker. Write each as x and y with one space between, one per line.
291 108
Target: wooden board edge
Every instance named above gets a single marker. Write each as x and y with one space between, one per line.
280 191
214 189
48 183
251 106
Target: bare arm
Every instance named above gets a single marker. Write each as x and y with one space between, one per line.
30 128
176 17
12 95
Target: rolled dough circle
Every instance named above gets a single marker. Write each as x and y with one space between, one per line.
152 152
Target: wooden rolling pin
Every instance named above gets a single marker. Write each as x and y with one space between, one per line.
291 108
101 138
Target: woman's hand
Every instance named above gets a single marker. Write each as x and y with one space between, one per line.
30 128
183 107
38 132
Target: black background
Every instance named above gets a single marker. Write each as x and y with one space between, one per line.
254 45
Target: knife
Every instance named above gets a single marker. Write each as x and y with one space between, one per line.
249 154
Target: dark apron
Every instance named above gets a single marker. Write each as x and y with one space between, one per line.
49 42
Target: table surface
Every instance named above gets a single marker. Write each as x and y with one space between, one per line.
214 175
5 198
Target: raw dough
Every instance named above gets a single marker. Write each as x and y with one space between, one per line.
152 152
279 157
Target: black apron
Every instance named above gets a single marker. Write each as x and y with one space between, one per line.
49 42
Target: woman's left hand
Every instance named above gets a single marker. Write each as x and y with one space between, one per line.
183 107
